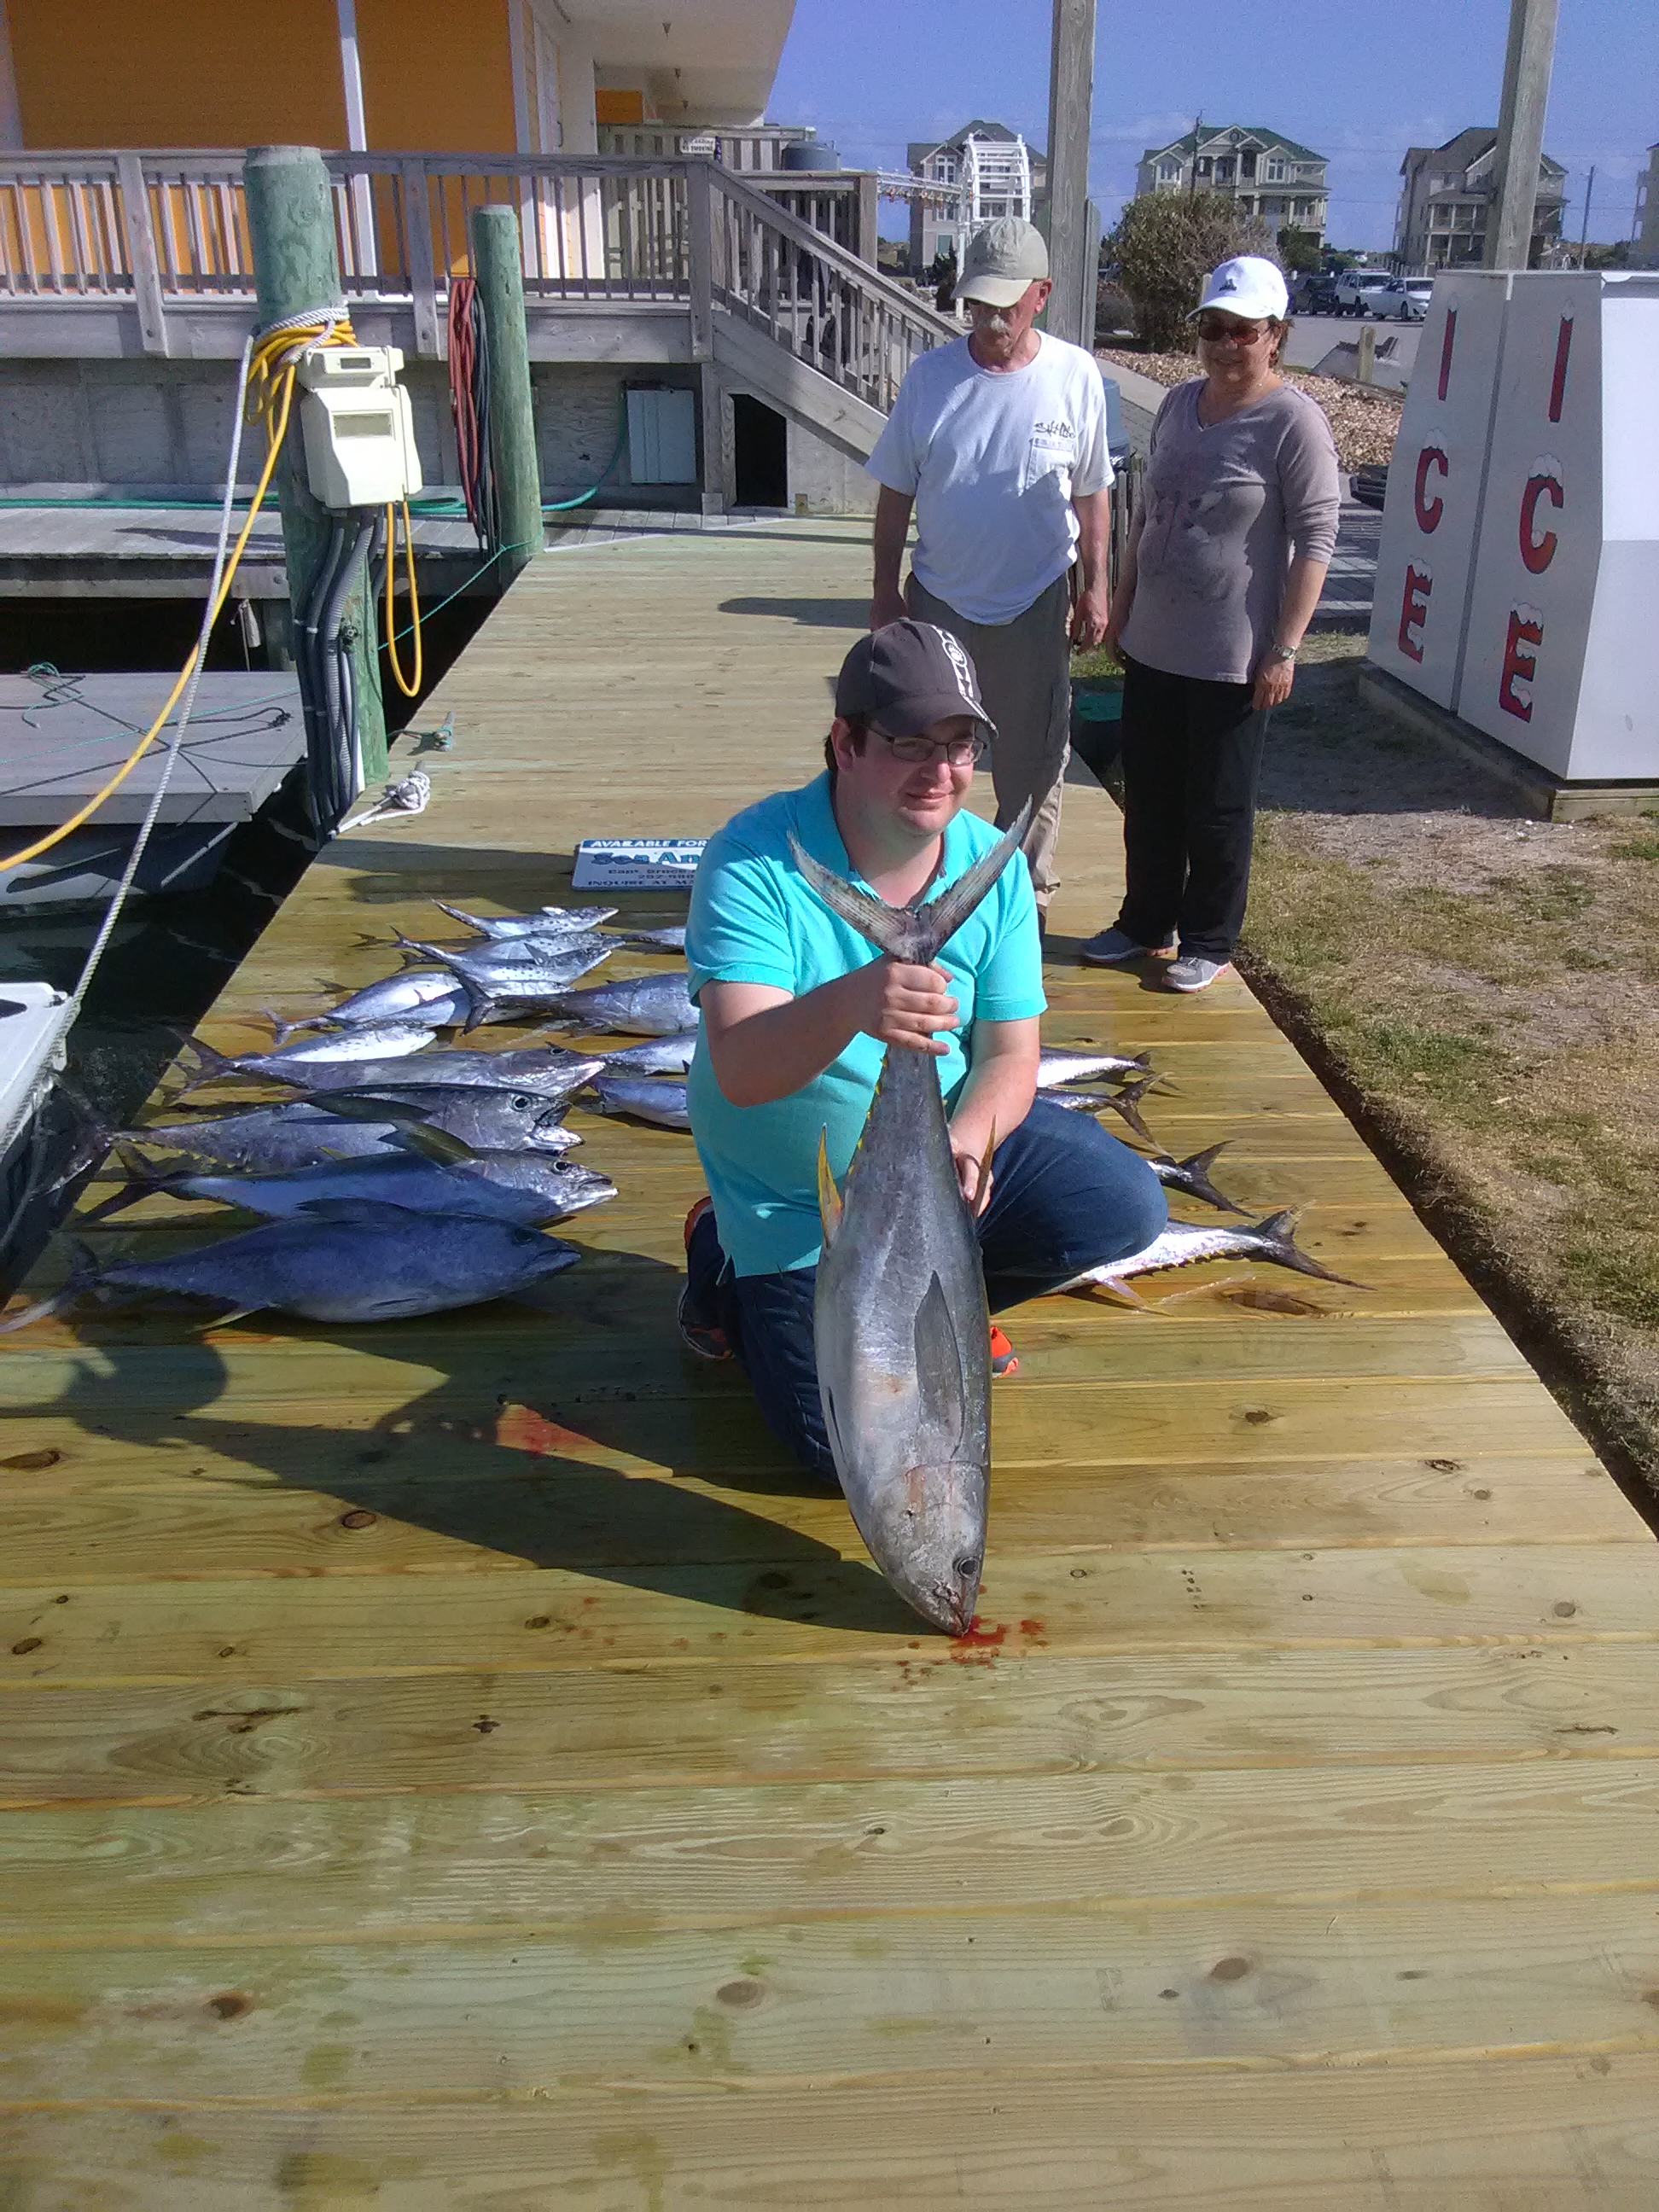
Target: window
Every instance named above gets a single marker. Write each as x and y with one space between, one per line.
1276 169
1168 172
1247 165
1224 172
1203 167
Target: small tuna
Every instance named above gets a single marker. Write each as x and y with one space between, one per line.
341 1259
546 922
340 1052
668 1055
1055 1067
1183 1244
435 996
303 1133
644 1098
643 1006
529 1187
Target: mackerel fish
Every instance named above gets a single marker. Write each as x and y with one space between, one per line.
1073 1067
340 1053
550 1070
900 1327
339 1259
546 922
1125 1102
435 996
666 1055
1183 1244
302 1132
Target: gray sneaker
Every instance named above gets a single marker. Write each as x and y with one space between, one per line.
1114 947
1193 972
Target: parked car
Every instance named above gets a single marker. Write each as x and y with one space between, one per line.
1315 296
1414 294
1359 291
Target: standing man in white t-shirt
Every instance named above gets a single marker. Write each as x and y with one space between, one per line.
997 441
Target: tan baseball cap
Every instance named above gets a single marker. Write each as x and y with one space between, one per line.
1002 261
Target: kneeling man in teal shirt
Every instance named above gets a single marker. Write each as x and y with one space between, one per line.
797 1010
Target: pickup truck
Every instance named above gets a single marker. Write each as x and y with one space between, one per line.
1360 291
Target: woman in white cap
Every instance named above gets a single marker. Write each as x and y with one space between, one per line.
1226 561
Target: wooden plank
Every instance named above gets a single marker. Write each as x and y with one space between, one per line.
1094 1992
211 1526
715 1723
812 1604
1557 2132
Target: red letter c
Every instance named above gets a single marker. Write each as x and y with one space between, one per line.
1429 512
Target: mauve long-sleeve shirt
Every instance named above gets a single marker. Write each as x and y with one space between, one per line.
1226 505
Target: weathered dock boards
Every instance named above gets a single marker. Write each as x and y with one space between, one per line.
459 1763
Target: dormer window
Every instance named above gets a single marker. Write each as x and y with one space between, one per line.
1276 169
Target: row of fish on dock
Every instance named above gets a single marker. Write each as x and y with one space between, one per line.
399 1176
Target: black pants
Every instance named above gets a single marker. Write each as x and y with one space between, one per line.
1192 751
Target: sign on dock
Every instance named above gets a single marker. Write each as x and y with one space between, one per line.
636 864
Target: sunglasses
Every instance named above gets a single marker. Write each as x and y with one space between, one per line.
958 752
1214 332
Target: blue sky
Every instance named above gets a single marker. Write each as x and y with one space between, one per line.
1357 83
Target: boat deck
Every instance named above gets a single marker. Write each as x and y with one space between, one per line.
459 1762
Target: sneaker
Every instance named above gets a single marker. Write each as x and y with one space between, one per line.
1003 1360
707 1338
1193 972
1114 947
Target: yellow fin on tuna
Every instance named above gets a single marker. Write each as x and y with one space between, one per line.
828 1197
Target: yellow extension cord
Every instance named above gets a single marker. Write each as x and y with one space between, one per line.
410 688
268 398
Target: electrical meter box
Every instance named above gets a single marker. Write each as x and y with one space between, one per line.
358 428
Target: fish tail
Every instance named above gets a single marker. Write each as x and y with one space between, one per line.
885 927
480 1007
75 1286
1277 1233
211 1065
946 915
1128 1104
456 913
281 1031
1195 1171
143 1176
830 1200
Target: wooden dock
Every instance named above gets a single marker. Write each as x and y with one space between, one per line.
460 1764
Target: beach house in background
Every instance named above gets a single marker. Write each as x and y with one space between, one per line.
1271 176
1444 197
985 170
1645 231
675 245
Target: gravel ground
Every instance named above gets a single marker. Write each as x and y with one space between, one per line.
1363 423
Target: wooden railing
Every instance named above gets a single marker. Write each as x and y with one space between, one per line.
170 230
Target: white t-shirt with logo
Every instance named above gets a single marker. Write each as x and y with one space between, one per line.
992 458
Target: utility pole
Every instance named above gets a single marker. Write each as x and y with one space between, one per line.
1071 98
1198 132
1527 64
493 234
290 220
1584 234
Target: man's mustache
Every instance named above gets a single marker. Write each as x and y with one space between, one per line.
990 319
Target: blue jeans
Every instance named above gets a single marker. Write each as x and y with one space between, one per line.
1066 1197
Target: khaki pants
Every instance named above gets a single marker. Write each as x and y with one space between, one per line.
1024 669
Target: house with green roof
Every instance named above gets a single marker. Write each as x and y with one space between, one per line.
1270 176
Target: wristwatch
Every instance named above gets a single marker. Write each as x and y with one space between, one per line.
1281 652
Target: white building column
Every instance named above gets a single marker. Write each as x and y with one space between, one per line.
364 255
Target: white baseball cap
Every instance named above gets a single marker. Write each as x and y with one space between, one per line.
1246 286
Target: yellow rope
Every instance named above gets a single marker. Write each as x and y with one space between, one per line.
410 688
269 398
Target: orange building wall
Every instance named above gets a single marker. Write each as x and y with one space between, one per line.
437 77
178 73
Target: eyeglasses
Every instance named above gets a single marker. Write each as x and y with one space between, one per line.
1214 332
959 752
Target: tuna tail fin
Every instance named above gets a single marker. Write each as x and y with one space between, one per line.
459 914
890 929
480 1007
415 950
1277 1233
911 933
281 1031
142 1177
1196 1169
210 1066
76 1285
1128 1104
829 1205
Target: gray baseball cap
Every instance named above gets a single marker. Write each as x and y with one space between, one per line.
906 675
1001 261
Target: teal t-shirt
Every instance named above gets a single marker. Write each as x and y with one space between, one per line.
755 919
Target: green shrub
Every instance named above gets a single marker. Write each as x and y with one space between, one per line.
1163 246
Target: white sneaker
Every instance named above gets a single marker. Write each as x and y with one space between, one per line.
1114 946
1193 972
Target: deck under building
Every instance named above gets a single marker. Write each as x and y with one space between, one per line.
459 1762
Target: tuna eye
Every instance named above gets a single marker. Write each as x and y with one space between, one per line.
967 1568
522 1102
